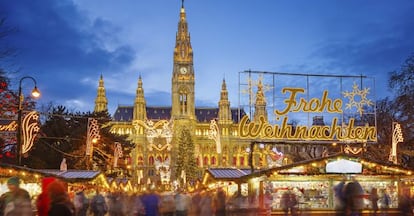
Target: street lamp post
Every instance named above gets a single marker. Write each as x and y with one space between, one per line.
35 93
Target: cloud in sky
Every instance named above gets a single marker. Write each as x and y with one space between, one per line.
60 46
67 44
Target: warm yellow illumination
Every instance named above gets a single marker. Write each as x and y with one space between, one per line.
94 140
263 130
35 92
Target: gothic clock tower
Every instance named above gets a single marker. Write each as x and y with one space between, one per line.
183 102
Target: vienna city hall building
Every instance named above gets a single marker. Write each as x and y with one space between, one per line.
214 129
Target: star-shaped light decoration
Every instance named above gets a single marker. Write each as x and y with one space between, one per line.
254 84
359 105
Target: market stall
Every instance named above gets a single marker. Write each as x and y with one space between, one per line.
228 179
313 181
29 178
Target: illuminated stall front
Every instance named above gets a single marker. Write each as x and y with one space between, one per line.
31 178
313 181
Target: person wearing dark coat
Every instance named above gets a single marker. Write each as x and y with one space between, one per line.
60 204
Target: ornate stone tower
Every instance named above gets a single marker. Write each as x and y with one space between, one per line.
140 109
183 102
260 104
224 115
101 103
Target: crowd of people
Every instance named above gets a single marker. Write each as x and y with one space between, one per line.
349 200
56 200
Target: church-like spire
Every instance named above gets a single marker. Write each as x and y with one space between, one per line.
101 103
140 111
183 52
224 115
260 104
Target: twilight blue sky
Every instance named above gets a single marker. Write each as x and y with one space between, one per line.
67 44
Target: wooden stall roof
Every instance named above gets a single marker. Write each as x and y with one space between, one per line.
227 173
72 175
68 176
224 174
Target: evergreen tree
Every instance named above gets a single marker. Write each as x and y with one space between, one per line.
185 160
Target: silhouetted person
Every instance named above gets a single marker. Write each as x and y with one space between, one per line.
340 199
98 204
288 202
15 202
60 204
353 193
151 201
405 203
220 203
373 196
385 201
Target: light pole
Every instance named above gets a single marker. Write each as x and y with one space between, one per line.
35 93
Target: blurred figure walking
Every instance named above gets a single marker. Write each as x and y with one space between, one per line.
81 203
374 200
206 204
98 204
182 203
220 203
60 204
15 202
151 202
354 202
405 203
43 200
288 202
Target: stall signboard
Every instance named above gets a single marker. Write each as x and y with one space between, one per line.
347 111
343 166
9 126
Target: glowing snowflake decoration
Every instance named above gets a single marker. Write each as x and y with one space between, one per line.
254 84
359 105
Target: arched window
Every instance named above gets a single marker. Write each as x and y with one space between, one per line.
159 158
213 160
205 161
241 161
234 161
183 101
151 160
140 161
198 161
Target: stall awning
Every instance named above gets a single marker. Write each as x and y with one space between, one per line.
73 174
228 173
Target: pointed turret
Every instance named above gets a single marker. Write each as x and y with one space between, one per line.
260 104
183 52
224 115
101 103
140 111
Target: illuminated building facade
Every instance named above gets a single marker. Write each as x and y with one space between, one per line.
152 128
